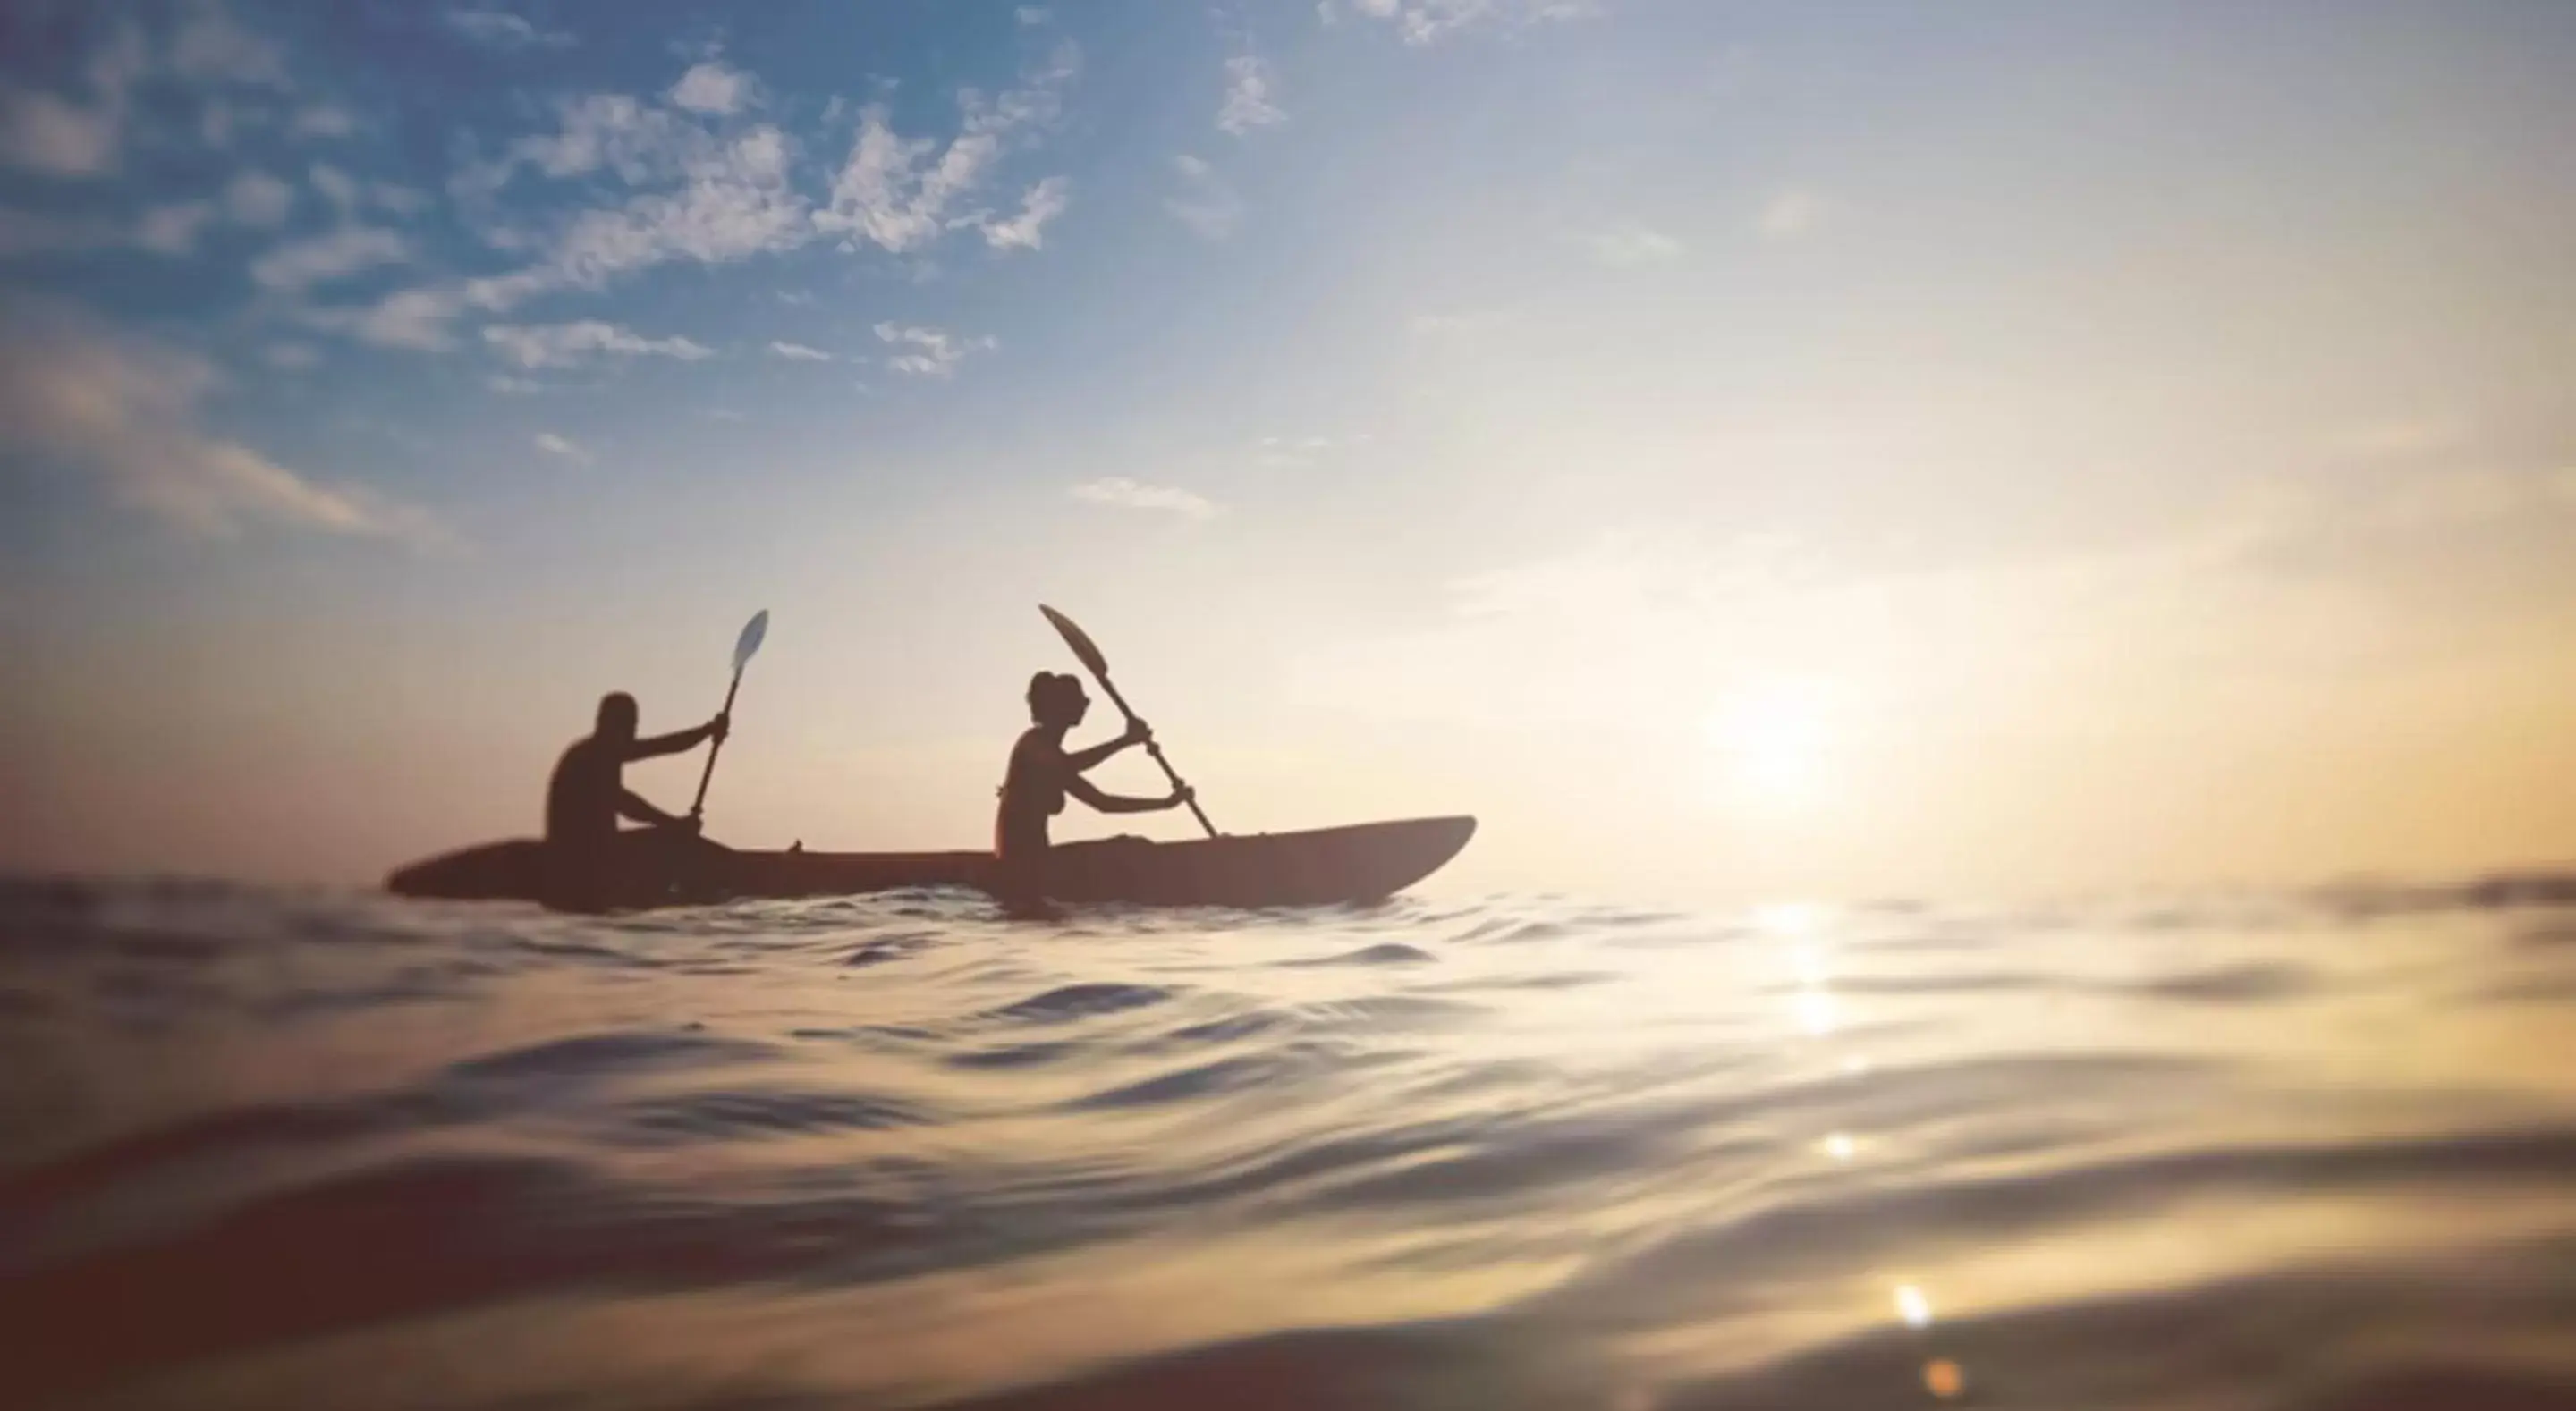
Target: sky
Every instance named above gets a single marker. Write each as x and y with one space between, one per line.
1736 451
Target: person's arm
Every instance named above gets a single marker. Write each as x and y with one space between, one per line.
678 741
1089 793
634 805
1080 760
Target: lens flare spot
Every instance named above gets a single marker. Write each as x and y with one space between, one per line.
1943 1379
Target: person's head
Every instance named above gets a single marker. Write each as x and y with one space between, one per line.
1056 699
616 716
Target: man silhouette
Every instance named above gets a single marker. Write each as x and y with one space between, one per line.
587 795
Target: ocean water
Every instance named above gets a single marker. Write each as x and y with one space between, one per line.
267 1149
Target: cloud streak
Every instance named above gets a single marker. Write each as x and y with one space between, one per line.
499 29
1630 246
328 258
127 411
1123 493
571 344
1429 21
1025 231
929 352
555 445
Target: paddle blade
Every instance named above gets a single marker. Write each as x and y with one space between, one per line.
753 633
1077 639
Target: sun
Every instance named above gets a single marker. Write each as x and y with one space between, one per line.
1774 736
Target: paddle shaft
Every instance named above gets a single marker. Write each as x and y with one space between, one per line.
709 772
1154 748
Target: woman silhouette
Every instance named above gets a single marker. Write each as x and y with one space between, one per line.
1041 774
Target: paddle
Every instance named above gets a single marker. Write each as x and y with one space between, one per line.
1098 665
753 633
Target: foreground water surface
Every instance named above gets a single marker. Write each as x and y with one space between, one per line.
272 1149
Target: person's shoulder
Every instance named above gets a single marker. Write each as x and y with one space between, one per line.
1034 744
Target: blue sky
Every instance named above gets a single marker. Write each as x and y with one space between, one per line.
1496 405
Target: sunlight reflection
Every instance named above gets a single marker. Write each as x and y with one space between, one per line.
1789 920
1817 1011
1913 1306
1856 1065
1840 1146
1810 963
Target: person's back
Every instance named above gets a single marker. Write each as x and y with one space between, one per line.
1032 793
581 795
587 794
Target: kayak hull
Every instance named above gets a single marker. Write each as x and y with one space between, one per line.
1325 866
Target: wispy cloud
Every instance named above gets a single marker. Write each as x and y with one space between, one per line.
568 344
1248 103
902 193
47 133
1629 246
798 352
716 195
254 198
1124 493
1426 21
701 196
210 46
500 29
1205 203
1290 453
1790 214
1026 231
414 319
325 258
398 200
127 410
930 352
173 229
555 445
713 87
322 120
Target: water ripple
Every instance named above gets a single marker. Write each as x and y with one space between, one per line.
2199 1153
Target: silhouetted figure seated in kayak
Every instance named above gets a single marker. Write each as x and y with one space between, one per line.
587 856
1042 773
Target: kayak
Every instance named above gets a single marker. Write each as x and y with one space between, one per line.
1324 866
